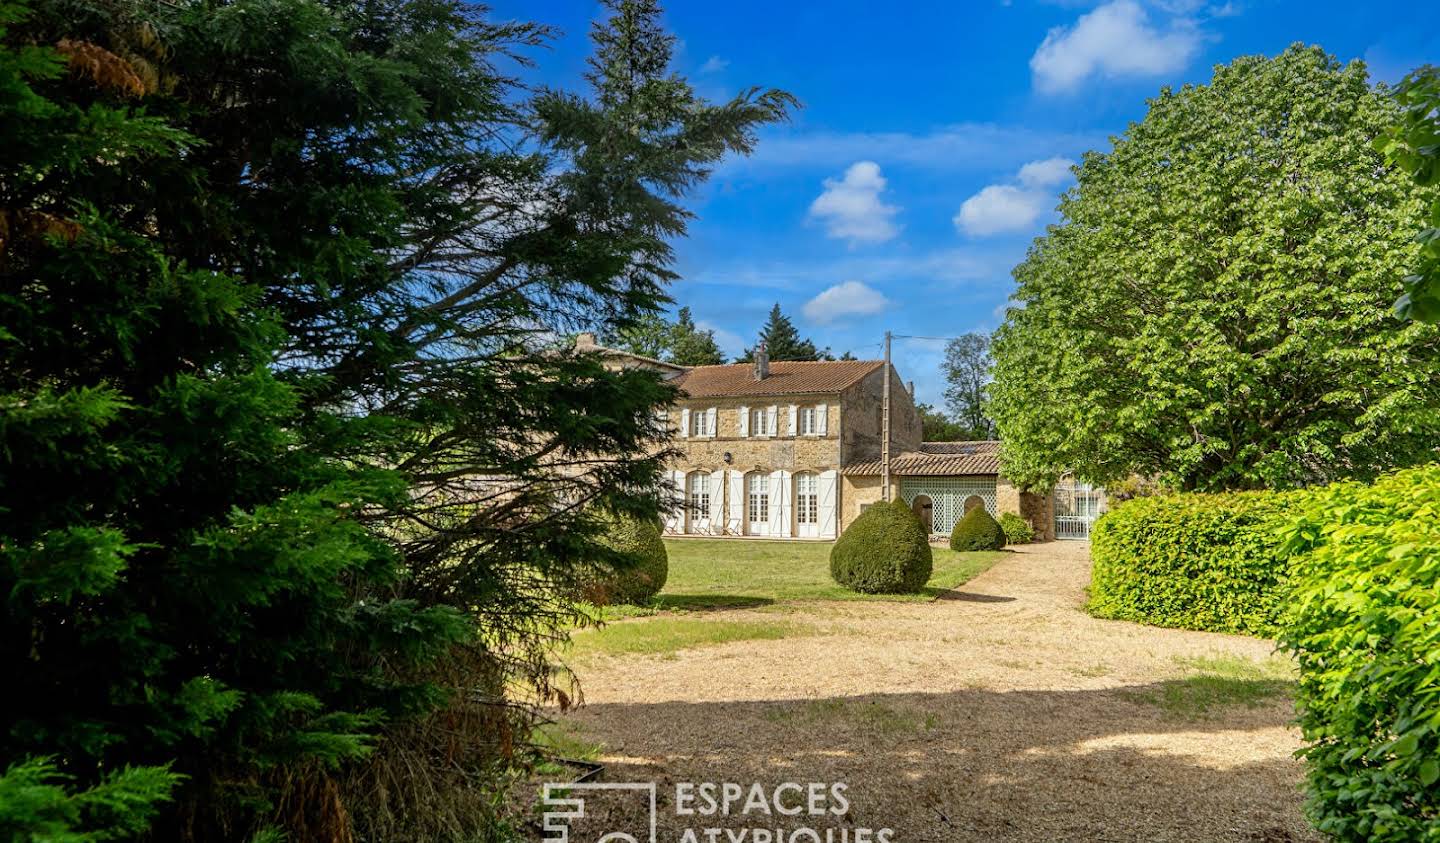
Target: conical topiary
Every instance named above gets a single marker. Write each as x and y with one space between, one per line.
977 531
647 568
884 551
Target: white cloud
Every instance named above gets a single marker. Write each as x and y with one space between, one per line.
851 208
1004 208
1047 173
1115 40
714 64
850 298
731 343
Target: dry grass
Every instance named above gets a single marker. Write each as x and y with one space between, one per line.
1005 713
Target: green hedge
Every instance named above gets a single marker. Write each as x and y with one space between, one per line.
884 551
1197 561
977 531
1017 529
1365 629
640 573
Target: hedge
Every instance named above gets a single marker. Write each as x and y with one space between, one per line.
1365 630
1017 529
977 530
884 551
1197 561
644 568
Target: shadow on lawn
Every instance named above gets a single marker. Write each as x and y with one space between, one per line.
708 602
979 764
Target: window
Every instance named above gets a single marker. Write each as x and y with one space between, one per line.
807 421
699 493
759 488
807 498
700 423
760 422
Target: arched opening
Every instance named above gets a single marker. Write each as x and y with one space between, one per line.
757 504
807 504
925 511
697 502
972 502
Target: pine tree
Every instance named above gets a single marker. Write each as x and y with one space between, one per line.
783 341
691 346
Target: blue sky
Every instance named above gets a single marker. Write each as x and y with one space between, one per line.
934 140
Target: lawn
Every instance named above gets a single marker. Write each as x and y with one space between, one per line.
720 573
707 575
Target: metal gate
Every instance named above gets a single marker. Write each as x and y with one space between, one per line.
1077 505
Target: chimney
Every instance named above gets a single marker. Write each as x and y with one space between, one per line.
584 340
762 362
911 387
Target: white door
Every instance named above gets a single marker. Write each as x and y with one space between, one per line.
807 505
828 482
757 504
698 500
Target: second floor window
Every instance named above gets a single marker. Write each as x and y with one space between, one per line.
807 421
700 423
760 422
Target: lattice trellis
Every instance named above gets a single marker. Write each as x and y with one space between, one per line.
947 497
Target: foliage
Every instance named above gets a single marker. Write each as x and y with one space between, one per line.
1364 629
935 426
1213 310
636 567
287 460
977 530
37 803
783 341
1017 529
884 551
1413 145
1211 562
693 346
967 375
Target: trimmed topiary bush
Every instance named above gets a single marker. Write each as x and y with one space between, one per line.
977 531
884 551
1197 561
1017 529
1364 628
642 570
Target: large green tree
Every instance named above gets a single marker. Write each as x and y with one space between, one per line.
1413 145
967 384
691 345
783 341
289 461
1214 307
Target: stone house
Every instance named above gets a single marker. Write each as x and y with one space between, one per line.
792 450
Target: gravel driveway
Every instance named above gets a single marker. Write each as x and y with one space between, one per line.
1000 712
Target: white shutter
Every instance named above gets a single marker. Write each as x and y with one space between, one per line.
773 416
821 411
717 501
744 421
777 504
794 420
675 517
827 503
712 418
735 503
685 423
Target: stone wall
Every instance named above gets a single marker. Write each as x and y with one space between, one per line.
856 492
748 453
860 439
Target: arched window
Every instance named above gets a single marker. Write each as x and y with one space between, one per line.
757 488
807 498
697 488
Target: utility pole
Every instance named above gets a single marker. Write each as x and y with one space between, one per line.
885 426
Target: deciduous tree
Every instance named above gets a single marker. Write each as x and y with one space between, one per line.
967 375
1214 307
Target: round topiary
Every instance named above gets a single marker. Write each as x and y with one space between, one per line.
1017 529
884 551
646 569
977 531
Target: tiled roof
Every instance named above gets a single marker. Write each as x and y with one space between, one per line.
786 378
938 459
